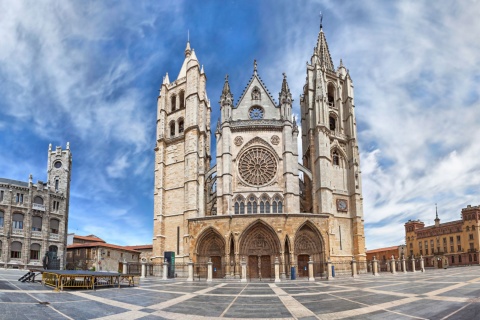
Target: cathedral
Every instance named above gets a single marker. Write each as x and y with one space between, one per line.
257 204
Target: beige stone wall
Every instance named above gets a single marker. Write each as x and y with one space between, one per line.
46 211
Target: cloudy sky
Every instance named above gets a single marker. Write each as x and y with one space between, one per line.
89 72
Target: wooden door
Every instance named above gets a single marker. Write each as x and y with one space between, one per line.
266 267
440 263
303 265
217 267
253 266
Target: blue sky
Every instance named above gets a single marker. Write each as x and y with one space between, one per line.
89 72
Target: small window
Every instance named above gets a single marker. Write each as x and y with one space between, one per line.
332 123
2 193
1 219
38 200
35 251
56 184
336 159
121 254
180 126
36 223
182 99
16 250
17 221
172 129
57 164
19 198
453 259
54 225
174 102
108 253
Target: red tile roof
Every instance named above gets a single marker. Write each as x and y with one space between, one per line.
141 247
99 244
91 237
382 249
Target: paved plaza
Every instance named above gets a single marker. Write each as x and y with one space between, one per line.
436 294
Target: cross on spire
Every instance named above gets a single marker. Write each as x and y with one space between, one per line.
321 19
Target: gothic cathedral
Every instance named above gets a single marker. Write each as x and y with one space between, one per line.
257 204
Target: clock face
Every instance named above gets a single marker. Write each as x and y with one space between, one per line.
256 113
58 164
342 205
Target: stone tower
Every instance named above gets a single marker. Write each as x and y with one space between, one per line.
330 150
182 157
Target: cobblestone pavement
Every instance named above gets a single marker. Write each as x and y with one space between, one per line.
436 294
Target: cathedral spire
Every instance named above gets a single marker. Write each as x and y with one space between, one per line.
285 96
321 50
226 99
188 51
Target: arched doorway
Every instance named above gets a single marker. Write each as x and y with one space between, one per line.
211 245
260 246
309 244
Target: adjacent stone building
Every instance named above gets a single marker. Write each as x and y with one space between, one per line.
450 243
258 204
384 254
34 216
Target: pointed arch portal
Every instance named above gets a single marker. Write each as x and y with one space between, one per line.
309 244
211 245
260 245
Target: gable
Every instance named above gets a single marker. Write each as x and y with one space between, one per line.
255 94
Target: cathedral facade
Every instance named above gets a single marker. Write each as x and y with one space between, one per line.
258 204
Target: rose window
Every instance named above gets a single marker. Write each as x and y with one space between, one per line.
257 166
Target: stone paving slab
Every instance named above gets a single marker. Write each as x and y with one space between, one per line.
436 294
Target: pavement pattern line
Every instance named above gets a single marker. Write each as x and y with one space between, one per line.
369 309
233 301
297 309
111 302
35 298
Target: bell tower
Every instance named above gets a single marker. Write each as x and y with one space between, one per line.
182 157
330 150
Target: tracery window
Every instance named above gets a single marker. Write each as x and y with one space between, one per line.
240 205
277 206
257 166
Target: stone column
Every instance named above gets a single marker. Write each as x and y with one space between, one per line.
413 264
144 269
354 268
124 267
165 270
404 265
310 269
277 270
392 268
329 270
227 266
375 266
190 270
209 270
238 268
282 266
244 270
422 265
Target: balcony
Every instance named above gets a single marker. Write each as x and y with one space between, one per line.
36 234
54 236
39 207
18 232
